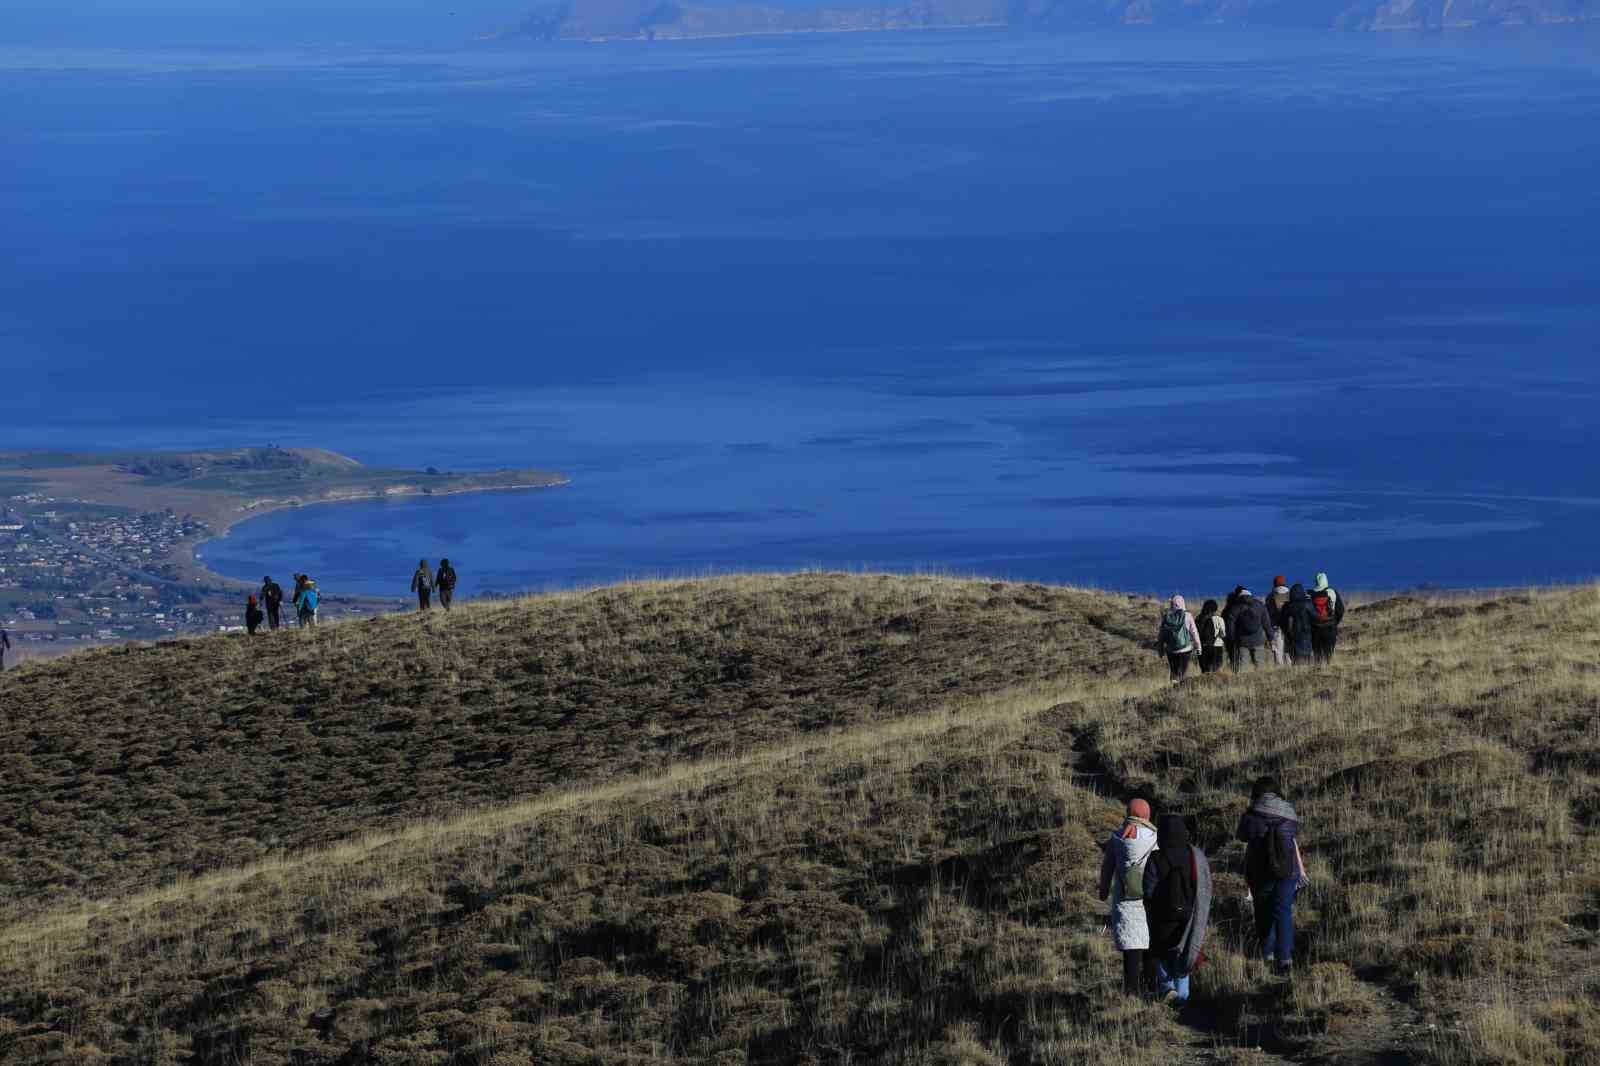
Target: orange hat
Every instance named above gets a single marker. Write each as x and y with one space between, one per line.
252 598
1138 808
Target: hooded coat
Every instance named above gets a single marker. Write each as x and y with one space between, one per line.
1178 896
1249 624
1130 930
1177 604
1297 623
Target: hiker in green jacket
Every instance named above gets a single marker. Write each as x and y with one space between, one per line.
1178 639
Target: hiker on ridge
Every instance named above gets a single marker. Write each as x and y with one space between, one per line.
1229 609
445 582
299 595
1275 605
1122 871
5 646
1273 869
252 615
272 600
1178 639
306 601
422 584
1327 612
1297 626
1251 629
1177 904
1213 638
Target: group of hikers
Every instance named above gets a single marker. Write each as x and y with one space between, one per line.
1160 891
1293 625
267 604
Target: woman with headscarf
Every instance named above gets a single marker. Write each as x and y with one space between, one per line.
1122 871
1177 639
1177 903
1213 638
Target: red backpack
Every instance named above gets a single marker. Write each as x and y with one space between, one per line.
1322 608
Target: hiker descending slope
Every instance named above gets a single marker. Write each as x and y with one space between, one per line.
1273 869
422 584
1250 628
271 600
445 582
1178 639
1213 638
1327 612
1122 871
1177 904
5 646
1297 626
252 615
306 601
1275 605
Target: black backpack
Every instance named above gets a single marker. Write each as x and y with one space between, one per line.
1269 858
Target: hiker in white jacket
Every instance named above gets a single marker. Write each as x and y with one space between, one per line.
1121 877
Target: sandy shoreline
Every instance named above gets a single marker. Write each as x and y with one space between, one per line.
247 511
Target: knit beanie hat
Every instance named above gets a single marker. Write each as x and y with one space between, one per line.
1138 808
1279 581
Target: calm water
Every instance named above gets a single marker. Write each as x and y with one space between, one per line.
1124 308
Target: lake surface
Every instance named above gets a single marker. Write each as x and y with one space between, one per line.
1132 309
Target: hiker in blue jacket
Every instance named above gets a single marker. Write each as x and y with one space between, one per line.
1250 630
1273 869
5 646
1297 626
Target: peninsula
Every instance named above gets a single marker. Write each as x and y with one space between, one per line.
101 546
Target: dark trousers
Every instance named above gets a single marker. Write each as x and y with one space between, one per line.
1139 972
445 596
1178 663
1274 907
422 599
1322 643
1211 659
272 615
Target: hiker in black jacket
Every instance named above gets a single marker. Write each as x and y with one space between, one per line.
1327 612
1297 626
271 595
444 580
1250 630
5 646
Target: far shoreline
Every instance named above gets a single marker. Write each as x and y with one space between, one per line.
248 512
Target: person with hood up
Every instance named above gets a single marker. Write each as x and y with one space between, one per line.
1177 639
1122 870
298 598
252 615
445 582
271 599
1327 613
1273 869
1251 630
1297 626
1275 605
1213 638
1229 609
1177 905
422 584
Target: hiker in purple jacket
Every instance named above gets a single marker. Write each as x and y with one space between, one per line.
1273 869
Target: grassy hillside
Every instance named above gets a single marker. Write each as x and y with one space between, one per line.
814 819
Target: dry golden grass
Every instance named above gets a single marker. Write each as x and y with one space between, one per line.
908 881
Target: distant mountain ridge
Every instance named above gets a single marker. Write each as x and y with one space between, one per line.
668 19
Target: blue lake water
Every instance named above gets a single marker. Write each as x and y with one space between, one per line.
1133 309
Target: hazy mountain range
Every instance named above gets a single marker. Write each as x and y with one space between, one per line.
651 19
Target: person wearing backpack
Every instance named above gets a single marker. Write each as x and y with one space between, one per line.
1177 639
1251 630
298 597
1125 856
1275 605
308 601
1273 870
1177 905
1213 638
1327 612
422 584
1297 628
252 615
271 600
445 582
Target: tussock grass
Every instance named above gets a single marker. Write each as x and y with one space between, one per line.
901 881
